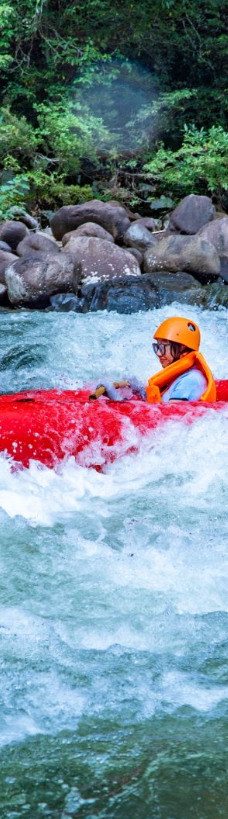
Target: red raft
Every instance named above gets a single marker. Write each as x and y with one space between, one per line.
50 426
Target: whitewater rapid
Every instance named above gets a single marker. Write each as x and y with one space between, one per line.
114 606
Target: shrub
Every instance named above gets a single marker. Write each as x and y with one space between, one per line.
199 166
13 194
71 135
17 138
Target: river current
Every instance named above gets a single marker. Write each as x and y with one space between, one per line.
114 595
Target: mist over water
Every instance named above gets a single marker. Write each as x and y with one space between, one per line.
114 607
121 94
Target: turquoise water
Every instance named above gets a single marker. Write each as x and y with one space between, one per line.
114 606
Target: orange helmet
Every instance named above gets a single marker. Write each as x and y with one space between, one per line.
181 330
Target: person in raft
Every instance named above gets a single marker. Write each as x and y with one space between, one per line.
185 375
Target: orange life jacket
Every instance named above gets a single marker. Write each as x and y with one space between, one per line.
159 383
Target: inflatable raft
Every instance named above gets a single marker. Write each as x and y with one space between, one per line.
50 426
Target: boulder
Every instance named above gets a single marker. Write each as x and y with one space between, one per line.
189 253
216 232
149 223
162 234
3 294
97 260
4 246
88 229
144 293
6 259
136 253
36 242
127 295
66 302
24 217
224 268
132 294
180 286
191 214
32 279
112 217
215 295
13 232
130 213
138 236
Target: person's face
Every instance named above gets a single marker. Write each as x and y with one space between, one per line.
164 352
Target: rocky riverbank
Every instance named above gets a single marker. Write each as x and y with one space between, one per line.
100 255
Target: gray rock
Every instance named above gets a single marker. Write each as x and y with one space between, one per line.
224 268
33 279
28 220
66 302
215 296
162 234
4 246
12 233
189 253
3 294
37 242
136 253
129 213
123 296
138 236
110 216
97 260
216 232
6 259
88 229
149 223
133 294
191 214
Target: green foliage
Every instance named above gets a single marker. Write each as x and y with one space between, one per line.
49 190
13 194
46 46
89 86
70 134
199 166
17 138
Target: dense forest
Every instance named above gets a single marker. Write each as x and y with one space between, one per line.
112 99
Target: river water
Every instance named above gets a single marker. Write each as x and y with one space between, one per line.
114 596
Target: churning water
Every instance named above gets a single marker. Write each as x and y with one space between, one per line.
114 596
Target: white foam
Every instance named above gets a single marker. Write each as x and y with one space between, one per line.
108 578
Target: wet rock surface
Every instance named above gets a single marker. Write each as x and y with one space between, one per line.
144 293
3 294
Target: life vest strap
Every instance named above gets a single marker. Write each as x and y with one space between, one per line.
161 381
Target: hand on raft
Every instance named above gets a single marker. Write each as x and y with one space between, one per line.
113 393
109 390
137 387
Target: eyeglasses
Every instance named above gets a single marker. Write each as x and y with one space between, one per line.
160 347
